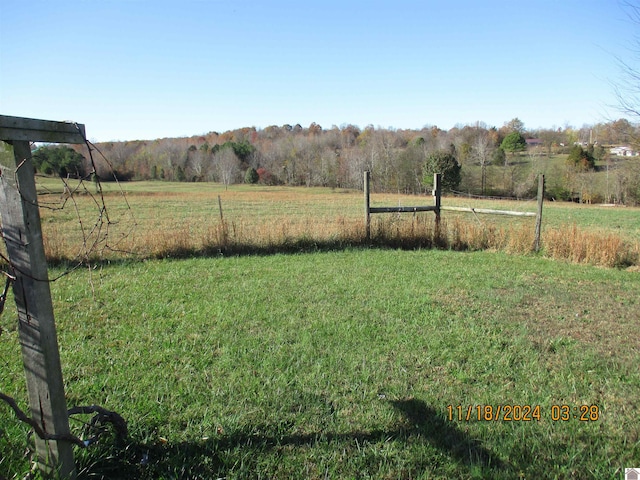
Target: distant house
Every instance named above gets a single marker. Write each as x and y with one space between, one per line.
534 142
624 152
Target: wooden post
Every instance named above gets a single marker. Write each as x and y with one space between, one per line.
22 233
220 208
37 331
536 244
367 211
437 198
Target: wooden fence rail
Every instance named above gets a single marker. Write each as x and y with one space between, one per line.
368 209
437 207
489 211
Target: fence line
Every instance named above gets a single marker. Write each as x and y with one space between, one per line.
438 207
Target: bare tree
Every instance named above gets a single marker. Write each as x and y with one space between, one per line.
354 163
198 164
482 151
168 155
227 166
627 89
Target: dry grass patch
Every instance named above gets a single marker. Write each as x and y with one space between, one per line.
157 220
592 247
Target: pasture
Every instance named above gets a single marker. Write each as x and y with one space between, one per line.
327 358
160 220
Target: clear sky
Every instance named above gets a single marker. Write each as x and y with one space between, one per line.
144 69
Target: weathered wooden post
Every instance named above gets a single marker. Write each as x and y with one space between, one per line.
367 206
22 233
536 242
437 198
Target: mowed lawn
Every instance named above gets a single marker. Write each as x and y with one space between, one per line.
343 364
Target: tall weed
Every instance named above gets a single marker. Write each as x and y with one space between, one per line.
173 238
595 248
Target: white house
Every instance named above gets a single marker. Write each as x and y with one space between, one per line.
624 152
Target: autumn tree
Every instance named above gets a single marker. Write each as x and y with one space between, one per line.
550 138
513 125
336 157
628 183
314 129
264 176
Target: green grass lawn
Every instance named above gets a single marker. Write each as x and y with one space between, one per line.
342 365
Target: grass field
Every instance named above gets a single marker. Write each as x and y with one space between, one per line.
340 363
159 219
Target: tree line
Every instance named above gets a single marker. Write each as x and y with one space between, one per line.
478 159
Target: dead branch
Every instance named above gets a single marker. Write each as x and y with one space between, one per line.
102 416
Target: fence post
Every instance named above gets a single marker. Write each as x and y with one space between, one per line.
536 244
437 197
367 213
220 208
23 238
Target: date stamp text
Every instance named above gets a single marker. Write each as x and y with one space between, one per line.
522 413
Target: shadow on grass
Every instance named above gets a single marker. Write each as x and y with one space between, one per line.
291 247
442 449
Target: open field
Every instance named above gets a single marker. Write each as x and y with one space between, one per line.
159 219
337 359
343 364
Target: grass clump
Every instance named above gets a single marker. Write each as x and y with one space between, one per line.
596 248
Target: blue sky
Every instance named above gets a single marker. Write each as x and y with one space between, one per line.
138 69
